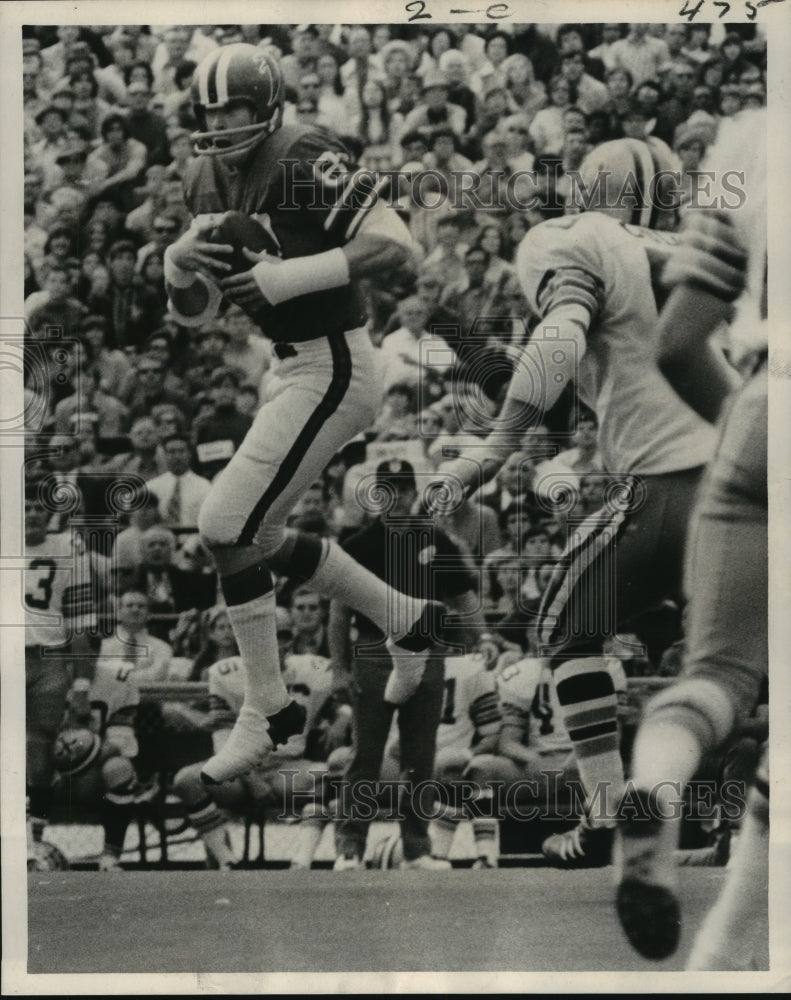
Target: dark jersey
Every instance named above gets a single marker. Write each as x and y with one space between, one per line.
301 186
416 559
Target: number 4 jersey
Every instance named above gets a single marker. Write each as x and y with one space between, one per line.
528 697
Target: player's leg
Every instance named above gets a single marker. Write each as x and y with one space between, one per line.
450 764
319 399
47 681
620 561
371 720
733 935
493 776
205 814
418 720
727 654
119 781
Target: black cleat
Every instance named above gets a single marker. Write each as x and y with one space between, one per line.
650 917
288 722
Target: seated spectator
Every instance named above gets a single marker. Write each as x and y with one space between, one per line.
54 305
180 491
166 229
308 621
446 258
332 109
132 310
169 589
88 109
134 646
640 53
218 642
546 129
148 390
128 548
208 355
176 107
146 458
402 353
88 401
302 58
454 67
116 165
525 91
219 435
435 109
493 71
246 350
51 121
591 93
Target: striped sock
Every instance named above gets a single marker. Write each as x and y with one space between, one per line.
209 822
486 833
587 697
442 830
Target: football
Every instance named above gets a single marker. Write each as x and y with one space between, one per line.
242 232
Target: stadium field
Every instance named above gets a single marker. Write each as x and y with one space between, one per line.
266 921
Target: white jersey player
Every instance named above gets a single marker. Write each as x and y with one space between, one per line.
592 282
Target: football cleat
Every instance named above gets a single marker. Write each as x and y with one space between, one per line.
345 863
252 738
646 901
426 863
481 863
585 846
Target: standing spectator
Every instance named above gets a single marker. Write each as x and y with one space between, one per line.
369 665
169 55
147 126
180 491
219 435
640 53
361 65
333 112
603 52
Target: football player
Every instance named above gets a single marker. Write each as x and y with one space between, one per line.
722 260
95 752
284 772
324 227
591 279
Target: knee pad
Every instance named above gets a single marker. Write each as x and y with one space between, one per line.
703 705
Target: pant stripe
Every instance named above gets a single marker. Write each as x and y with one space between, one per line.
337 389
579 562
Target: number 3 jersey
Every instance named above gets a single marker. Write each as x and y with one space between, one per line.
301 185
611 269
308 679
528 698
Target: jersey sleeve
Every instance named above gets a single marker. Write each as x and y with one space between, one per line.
559 263
337 193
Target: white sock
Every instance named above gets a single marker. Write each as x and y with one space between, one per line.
486 833
306 840
254 626
343 578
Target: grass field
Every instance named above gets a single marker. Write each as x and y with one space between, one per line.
254 921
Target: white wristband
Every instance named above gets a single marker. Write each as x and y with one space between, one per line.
175 275
280 281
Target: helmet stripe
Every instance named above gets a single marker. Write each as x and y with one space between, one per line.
643 172
221 74
204 70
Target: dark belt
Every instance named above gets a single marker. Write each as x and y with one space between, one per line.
283 350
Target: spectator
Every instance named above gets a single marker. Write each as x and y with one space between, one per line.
131 309
677 105
435 109
453 65
146 458
149 390
128 548
524 90
732 52
303 58
591 93
640 53
51 121
116 165
169 589
308 620
180 491
546 129
493 71
134 647
54 306
603 52
218 644
88 109
218 436
332 109
176 107
169 55
146 126
697 46
246 350
361 65
88 400
402 355
445 260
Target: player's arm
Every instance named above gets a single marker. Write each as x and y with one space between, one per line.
192 268
547 364
706 274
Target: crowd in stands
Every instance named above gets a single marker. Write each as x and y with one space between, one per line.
118 392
